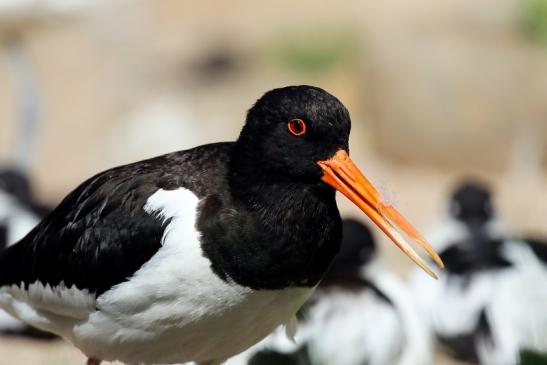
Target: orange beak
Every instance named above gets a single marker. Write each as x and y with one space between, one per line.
342 174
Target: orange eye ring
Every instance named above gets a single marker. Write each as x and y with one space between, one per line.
297 127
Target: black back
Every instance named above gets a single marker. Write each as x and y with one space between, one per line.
99 235
466 258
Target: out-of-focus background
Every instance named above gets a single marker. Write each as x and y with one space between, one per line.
437 91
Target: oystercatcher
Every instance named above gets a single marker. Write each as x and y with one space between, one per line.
197 255
467 241
335 326
486 282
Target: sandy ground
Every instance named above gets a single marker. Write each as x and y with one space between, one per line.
57 352
29 352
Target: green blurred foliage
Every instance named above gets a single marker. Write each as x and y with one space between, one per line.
532 358
317 52
534 20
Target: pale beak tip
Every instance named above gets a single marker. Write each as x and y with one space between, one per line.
432 253
439 262
428 271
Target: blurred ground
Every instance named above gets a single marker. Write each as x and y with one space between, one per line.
437 91
60 353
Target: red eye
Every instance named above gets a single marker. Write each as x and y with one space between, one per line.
297 127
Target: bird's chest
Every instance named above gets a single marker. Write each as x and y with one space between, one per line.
290 244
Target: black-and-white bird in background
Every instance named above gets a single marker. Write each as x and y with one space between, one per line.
466 239
359 314
197 255
20 212
486 283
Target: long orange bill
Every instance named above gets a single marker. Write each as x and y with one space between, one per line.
342 174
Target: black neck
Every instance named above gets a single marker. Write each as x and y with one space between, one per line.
270 232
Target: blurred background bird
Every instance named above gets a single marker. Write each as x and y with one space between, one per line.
360 314
481 309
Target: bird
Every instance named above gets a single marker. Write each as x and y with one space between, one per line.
486 282
467 240
198 254
20 211
359 314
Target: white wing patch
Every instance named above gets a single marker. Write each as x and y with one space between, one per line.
178 204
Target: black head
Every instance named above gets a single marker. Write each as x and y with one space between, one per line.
289 129
471 203
297 137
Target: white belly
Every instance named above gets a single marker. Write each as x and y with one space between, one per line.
167 336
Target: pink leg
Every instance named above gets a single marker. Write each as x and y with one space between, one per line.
92 361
